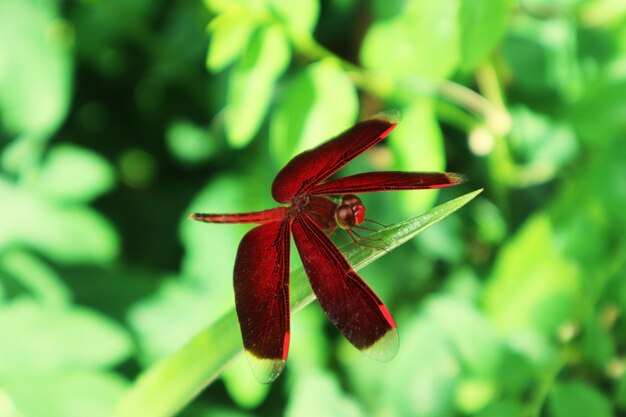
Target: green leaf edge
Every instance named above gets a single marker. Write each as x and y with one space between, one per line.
173 382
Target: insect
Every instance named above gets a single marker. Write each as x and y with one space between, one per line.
261 275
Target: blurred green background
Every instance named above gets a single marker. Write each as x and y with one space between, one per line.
119 117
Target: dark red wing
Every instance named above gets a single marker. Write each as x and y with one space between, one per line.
348 301
262 297
309 168
387 181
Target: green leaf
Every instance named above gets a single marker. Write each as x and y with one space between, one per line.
300 16
600 115
423 39
533 286
473 394
418 382
189 143
319 103
483 24
70 394
64 233
35 276
542 54
73 174
418 143
469 333
251 84
156 319
490 222
597 344
169 385
458 337
310 387
502 408
555 6
35 67
448 351
518 371
45 340
137 168
221 6
578 399
540 144
230 34
620 394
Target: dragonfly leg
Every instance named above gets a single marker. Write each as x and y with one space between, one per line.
352 233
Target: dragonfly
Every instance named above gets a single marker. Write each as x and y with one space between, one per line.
315 206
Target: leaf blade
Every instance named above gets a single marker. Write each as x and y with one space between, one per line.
251 84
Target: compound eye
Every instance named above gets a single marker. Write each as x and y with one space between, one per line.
344 217
359 213
350 200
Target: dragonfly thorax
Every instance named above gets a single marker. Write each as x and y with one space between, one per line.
350 212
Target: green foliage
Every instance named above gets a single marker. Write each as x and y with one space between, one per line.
419 120
118 118
483 24
35 72
578 399
387 41
319 101
250 87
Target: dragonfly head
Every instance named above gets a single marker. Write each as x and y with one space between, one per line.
350 212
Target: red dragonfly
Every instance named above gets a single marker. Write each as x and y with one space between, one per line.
261 276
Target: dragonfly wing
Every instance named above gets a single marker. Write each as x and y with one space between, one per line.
387 181
311 167
348 301
261 281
